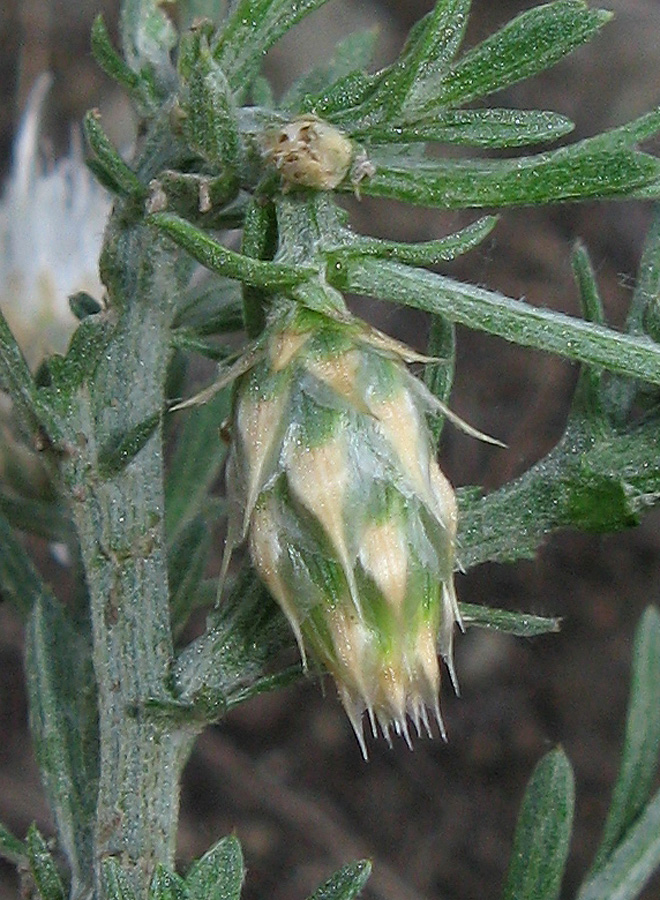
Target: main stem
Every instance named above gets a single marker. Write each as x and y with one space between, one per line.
120 524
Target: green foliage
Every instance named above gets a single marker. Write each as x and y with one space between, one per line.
540 846
140 539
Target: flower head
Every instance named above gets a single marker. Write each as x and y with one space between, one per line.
349 520
52 217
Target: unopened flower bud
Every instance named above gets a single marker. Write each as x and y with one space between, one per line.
349 520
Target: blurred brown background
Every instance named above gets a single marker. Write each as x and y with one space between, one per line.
284 772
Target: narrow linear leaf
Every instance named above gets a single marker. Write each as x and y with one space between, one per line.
644 314
47 519
20 583
63 721
110 61
477 128
197 461
530 43
352 54
346 883
517 624
219 874
116 885
11 848
642 740
121 450
488 311
42 866
439 375
632 863
16 380
573 173
115 170
186 563
166 885
252 29
147 38
431 45
214 256
587 409
543 832
210 123
259 242
429 253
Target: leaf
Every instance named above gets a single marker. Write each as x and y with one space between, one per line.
114 170
494 313
439 376
543 832
219 874
197 462
210 123
166 885
11 848
122 449
116 885
530 43
632 863
351 54
428 253
20 583
42 866
252 29
63 721
642 741
476 127
518 624
186 563
346 883
587 409
241 639
260 240
113 64
431 45
210 253
147 38
16 380
578 172
45 518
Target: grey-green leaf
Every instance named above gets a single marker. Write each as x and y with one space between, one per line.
632 863
42 866
196 464
351 54
147 37
578 172
518 624
543 832
476 128
511 319
219 874
166 885
428 253
116 885
528 44
11 848
63 720
210 124
344 884
252 29
642 741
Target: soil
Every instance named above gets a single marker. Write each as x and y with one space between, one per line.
284 772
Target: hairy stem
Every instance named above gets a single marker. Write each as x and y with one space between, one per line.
120 524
